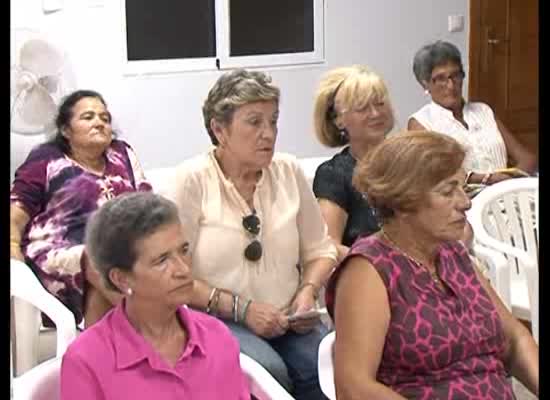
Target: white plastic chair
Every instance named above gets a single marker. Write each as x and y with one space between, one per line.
43 382
325 366
160 178
504 218
262 384
310 164
26 286
39 383
499 271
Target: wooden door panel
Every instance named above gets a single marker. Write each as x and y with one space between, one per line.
504 63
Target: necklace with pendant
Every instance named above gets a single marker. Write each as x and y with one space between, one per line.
433 274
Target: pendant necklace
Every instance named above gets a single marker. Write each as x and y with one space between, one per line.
433 274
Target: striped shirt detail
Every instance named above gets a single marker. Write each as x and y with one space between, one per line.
485 147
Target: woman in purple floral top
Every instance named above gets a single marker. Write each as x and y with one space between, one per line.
57 188
414 318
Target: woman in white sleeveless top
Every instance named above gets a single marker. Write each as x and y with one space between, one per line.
489 144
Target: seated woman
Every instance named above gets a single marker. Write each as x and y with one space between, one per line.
137 243
414 318
489 145
57 187
258 241
352 109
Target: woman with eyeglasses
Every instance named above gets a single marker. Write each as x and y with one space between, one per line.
352 109
489 145
259 244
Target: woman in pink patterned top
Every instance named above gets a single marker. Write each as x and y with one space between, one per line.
414 318
55 190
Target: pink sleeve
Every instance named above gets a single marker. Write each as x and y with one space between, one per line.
78 380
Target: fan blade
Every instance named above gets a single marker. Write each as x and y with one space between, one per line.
37 107
40 58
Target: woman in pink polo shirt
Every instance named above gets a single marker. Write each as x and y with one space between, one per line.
149 346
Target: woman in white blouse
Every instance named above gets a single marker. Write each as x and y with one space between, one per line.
259 244
489 144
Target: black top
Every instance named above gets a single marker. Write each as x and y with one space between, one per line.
333 182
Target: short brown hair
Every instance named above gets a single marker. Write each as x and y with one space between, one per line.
400 171
232 90
355 86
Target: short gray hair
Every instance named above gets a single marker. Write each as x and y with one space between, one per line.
232 90
115 228
433 55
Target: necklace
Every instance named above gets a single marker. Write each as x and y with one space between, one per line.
433 274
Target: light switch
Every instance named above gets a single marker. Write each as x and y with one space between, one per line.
456 23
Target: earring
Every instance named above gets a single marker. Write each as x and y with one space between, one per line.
129 291
426 92
343 133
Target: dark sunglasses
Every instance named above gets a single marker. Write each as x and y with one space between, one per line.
251 224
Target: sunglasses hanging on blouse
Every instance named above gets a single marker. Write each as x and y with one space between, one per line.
251 224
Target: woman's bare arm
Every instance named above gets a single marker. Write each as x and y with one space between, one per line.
336 219
362 315
524 159
523 354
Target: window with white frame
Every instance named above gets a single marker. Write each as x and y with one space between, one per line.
183 35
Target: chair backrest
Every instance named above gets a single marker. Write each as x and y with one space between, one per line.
43 381
262 385
504 217
26 286
39 383
499 272
325 365
310 164
159 178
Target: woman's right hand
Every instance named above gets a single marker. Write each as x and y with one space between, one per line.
266 320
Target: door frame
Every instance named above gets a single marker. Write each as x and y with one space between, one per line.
474 49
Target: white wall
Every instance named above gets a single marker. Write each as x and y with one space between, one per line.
161 116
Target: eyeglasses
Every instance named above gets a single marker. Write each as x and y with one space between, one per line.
251 224
442 79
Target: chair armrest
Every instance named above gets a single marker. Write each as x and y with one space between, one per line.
499 272
40 382
262 384
325 365
25 285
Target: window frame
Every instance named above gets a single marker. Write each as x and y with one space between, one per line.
223 60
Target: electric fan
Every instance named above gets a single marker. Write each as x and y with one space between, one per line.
39 78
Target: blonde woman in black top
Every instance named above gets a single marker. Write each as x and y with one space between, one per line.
353 111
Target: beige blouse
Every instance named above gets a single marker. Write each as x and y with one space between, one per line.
292 230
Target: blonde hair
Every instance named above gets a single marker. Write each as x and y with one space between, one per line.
350 88
400 171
